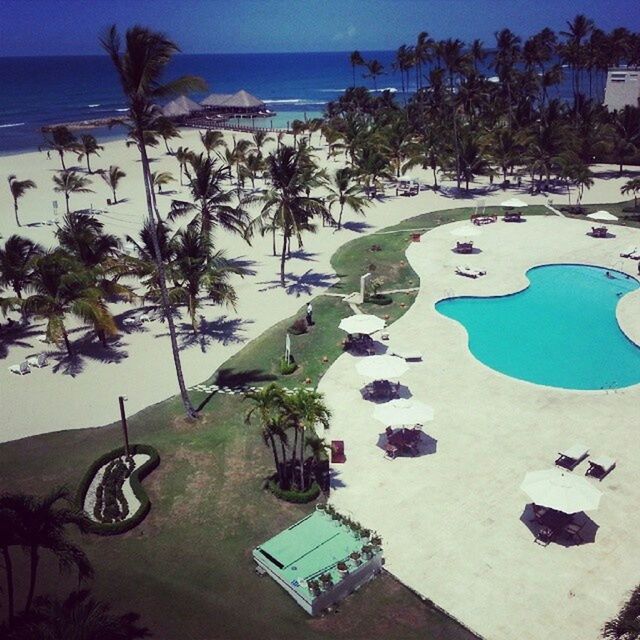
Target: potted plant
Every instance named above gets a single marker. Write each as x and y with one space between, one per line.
365 533
376 542
314 587
357 559
326 580
367 551
342 568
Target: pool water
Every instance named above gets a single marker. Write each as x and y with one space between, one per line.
560 331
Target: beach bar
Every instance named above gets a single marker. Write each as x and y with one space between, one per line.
319 560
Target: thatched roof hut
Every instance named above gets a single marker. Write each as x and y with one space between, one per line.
242 100
180 107
215 99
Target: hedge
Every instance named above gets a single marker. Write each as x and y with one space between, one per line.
298 497
381 299
114 528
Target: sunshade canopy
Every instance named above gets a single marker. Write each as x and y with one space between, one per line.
382 367
403 411
362 323
602 215
466 231
561 490
513 203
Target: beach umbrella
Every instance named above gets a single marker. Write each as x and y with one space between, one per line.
403 411
361 323
465 231
561 490
602 215
382 367
514 203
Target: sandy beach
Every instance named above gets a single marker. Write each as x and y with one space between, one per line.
82 391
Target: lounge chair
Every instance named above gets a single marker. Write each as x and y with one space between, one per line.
21 368
570 458
469 272
38 361
600 467
512 216
629 252
132 322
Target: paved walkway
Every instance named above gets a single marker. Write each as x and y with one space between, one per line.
454 521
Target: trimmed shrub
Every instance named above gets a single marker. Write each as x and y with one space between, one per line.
290 495
114 528
287 368
299 327
381 299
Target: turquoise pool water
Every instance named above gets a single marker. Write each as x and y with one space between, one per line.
560 331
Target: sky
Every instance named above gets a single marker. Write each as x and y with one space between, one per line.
72 27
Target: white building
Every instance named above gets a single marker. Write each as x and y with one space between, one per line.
623 88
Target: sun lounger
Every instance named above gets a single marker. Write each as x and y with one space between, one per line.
132 322
42 337
628 252
570 458
469 272
21 368
600 467
38 361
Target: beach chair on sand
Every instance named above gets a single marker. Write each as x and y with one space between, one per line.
570 458
38 361
628 252
21 368
469 272
600 467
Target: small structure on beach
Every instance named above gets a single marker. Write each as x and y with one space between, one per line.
181 107
320 560
215 100
623 88
241 104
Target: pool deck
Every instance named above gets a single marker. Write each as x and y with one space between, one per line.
453 521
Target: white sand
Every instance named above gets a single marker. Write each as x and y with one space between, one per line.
83 392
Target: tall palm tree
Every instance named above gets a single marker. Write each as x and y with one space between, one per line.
112 177
260 139
60 287
211 140
18 188
140 68
161 178
344 191
16 262
87 147
182 156
477 52
626 133
41 523
83 237
77 616
356 60
298 127
632 186
422 52
573 51
252 166
69 182
167 131
60 140
374 70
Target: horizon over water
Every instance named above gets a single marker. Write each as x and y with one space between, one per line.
57 89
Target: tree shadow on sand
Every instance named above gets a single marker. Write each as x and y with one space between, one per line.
222 330
303 284
357 227
86 349
17 336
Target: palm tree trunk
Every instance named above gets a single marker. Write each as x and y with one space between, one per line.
15 210
276 461
61 152
283 257
294 454
175 350
302 447
66 199
67 344
8 567
273 239
115 199
32 578
89 165
340 216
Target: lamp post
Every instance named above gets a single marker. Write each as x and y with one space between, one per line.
123 420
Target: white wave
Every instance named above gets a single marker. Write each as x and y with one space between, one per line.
293 101
390 89
331 90
493 79
11 124
93 106
121 110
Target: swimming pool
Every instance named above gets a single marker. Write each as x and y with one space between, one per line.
560 331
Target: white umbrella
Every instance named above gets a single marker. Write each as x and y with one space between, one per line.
514 203
361 323
401 412
466 230
561 491
382 367
602 215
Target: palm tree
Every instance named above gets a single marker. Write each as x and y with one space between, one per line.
211 140
18 188
626 133
62 287
477 52
573 49
60 140
166 130
69 182
356 60
287 204
632 186
375 69
625 625
345 192
298 127
112 177
42 524
87 147
422 52
16 262
78 616
140 67
82 236
160 178
182 156
260 138
372 166
235 155
252 166
8 538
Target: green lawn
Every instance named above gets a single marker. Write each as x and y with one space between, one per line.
187 569
629 216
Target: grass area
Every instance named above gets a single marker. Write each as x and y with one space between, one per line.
187 569
628 214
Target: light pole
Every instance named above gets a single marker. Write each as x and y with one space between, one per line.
123 420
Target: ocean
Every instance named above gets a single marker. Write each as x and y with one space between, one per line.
45 90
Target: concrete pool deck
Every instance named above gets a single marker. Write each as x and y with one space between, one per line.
453 521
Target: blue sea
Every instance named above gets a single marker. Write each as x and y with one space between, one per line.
45 90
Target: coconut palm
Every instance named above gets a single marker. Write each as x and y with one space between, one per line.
41 523
260 139
298 127
252 166
60 140
573 49
16 262
235 155
83 237
161 178
140 67
60 287
356 60
374 70
112 177
18 188
211 140
344 191
372 167
632 186
182 156
87 147
69 182
165 128
78 616
626 133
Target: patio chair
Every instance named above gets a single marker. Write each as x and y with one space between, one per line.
544 536
572 530
469 272
512 216
599 232
391 451
21 368
38 361
570 458
464 247
538 511
600 467
337 452
629 252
